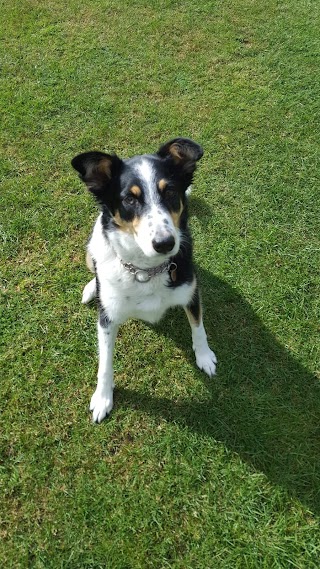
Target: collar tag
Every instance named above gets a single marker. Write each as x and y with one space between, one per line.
173 272
142 276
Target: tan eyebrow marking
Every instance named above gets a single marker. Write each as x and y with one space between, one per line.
135 190
162 184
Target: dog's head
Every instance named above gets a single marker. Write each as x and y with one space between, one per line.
144 196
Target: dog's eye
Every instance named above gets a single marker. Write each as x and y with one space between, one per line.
129 200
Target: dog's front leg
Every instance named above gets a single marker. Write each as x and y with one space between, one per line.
102 399
205 358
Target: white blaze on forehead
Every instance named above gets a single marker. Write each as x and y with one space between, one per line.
156 220
147 174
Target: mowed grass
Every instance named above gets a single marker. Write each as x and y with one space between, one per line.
187 473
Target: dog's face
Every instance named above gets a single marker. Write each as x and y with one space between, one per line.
144 196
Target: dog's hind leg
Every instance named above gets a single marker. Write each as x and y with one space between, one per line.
205 358
89 292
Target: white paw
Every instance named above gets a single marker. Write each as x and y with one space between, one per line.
89 292
101 405
206 360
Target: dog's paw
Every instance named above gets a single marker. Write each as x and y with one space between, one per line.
101 406
89 292
207 361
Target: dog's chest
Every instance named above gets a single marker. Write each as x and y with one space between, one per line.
123 297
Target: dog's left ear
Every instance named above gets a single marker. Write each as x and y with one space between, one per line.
96 170
183 151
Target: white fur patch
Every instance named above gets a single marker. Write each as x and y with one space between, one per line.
89 292
121 295
101 405
205 358
147 173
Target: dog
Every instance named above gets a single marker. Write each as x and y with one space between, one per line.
140 249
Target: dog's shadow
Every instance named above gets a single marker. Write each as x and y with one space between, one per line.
263 404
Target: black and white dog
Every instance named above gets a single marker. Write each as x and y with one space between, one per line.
140 249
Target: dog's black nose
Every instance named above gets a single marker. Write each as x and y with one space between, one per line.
163 245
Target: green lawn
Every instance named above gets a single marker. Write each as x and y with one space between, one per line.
188 473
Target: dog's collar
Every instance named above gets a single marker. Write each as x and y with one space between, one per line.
145 275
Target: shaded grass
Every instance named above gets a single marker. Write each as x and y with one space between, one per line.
187 472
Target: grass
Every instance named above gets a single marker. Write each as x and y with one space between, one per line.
187 473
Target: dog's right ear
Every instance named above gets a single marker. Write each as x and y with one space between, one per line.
96 169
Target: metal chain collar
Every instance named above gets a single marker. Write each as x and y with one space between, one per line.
144 275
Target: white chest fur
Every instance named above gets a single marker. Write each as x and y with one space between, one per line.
127 298
122 296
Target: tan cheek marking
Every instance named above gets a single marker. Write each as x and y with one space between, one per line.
135 190
162 184
136 223
175 215
127 226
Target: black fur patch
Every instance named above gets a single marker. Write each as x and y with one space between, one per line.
104 320
183 260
